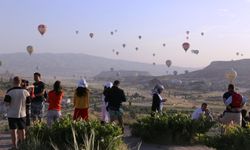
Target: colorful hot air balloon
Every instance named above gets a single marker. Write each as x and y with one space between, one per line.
139 36
123 45
185 46
42 29
91 35
168 63
30 49
163 44
136 48
231 75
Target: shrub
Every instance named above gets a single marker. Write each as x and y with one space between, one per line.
233 138
176 128
65 133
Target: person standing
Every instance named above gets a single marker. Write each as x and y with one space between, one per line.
234 103
157 103
37 103
16 98
104 113
54 99
115 96
81 101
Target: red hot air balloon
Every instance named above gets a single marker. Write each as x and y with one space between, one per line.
91 35
185 46
42 29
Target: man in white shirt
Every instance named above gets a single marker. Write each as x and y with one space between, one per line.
199 111
16 99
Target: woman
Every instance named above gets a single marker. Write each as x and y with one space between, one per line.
157 104
104 113
81 101
55 100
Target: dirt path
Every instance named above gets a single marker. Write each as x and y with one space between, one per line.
5 141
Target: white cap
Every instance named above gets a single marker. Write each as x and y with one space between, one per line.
82 83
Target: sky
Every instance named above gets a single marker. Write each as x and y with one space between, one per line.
225 24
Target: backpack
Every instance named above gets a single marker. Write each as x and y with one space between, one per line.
236 100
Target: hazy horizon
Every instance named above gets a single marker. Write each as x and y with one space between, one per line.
224 24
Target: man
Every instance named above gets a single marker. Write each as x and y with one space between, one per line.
115 96
197 114
157 103
234 103
37 102
16 98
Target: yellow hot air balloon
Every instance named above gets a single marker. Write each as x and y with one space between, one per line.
30 49
231 75
42 29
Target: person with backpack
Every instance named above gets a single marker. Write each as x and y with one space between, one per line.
234 103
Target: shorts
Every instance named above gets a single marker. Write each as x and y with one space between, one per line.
115 114
17 123
37 110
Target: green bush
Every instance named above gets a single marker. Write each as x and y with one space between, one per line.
176 128
233 138
63 133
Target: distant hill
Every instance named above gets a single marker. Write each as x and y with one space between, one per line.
70 64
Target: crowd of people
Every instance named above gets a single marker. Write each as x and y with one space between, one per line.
26 105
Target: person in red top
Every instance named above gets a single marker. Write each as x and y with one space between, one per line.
54 99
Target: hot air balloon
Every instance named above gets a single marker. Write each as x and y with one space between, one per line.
195 51
187 38
168 63
113 50
163 44
175 73
237 53
139 36
30 49
117 53
91 35
112 69
231 75
241 54
111 32
202 33
136 48
116 30
187 32
42 29
77 31
154 63
186 71
185 46
123 45
118 74
154 54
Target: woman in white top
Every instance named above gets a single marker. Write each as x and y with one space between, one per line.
104 113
